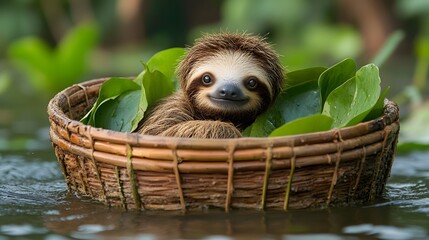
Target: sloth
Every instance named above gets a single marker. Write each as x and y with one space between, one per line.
226 80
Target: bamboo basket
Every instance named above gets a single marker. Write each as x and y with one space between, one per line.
346 166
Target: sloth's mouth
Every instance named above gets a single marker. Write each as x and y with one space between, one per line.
229 101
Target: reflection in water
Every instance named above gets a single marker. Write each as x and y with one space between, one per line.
77 218
88 218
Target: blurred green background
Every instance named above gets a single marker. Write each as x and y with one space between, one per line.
46 45
53 44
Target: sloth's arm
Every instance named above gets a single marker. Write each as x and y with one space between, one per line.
167 113
173 116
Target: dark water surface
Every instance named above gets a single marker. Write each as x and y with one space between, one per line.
34 203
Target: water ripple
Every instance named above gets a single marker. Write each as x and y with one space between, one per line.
413 165
18 169
386 232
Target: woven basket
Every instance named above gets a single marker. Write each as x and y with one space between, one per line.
337 167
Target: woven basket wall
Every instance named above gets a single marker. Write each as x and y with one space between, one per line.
338 167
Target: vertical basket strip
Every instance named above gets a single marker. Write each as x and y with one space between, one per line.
132 177
120 189
177 175
290 179
230 183
359 172
268 159
337 164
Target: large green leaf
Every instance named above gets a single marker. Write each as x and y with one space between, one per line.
157 85
378 108
117 114
264 124
334 76
166 61
300 99
349 103
104 114
313 123
109 90
302 76
119 109
142 107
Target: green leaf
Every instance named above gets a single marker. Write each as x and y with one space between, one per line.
109 90
122 103
313 123
117 114
142 107
349 103
300 99
156 85
302 76
264 124
334 76
378 108
139 78
166 61
115 86
105 112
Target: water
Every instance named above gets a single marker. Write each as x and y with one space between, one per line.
34 203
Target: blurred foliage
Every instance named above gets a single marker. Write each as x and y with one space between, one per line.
320 42
409 9
389 47
412 8
414 134
18 19
51 70
4 81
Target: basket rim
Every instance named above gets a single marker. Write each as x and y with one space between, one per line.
390 115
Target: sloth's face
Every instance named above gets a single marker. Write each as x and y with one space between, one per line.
229 83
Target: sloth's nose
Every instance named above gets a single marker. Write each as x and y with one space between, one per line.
229 92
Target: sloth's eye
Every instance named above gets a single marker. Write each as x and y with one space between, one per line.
252 83
206 79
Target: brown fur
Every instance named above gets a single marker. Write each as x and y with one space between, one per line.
174 116
210 44
181 116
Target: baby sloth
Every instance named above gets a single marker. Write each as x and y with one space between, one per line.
226 81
